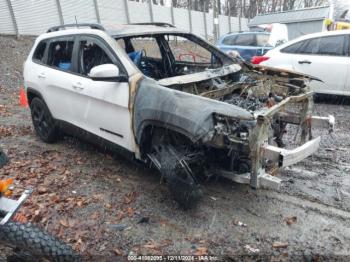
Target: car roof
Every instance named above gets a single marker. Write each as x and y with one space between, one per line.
248 32
117 31
133 30
314 35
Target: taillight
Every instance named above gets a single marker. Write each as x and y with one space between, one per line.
256 60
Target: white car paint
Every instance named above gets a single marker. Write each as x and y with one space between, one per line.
94 106
334 71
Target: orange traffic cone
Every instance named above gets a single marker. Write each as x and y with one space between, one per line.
23 98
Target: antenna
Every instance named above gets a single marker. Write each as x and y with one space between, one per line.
76 21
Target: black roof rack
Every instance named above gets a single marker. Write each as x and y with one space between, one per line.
92 26
162 24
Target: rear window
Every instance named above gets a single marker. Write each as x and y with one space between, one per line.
245 40
60 54
229 40
294 48
262 39
40 51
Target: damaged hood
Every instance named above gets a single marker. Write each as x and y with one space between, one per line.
201 76
186 113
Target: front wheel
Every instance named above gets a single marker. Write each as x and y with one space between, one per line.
43 122
31 244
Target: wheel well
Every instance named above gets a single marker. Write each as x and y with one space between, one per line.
155 134
31 94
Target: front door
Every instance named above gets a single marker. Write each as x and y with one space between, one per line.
100 107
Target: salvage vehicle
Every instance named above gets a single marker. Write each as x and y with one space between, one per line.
27 242
171 100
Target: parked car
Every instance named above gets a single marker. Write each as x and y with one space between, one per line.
324 55
247 44
169 99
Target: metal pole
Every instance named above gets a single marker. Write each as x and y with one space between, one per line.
13 17
172 13
60 14
151 11
205 24
240 16
97 12
126 8
189 5
215 21
229 16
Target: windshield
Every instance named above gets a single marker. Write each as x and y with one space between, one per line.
168 55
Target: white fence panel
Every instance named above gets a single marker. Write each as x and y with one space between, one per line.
223 25
198 23
6 24
210 26
162 14
35 17
139 12
82 10
112 12
181 19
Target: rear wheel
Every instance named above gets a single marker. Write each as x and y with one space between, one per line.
43 122
31 244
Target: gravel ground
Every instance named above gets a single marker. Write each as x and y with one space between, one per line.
96 201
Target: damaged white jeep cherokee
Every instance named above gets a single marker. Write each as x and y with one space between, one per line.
172 100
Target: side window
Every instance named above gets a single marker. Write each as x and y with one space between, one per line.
245 40
185 50
39 51
60 54
229 40
262 39
331 45
147 45
90 55
294 48
310 47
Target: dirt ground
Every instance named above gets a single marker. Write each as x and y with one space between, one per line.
107 207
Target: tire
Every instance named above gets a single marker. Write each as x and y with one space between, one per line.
3 158
43 122
32 244
185 191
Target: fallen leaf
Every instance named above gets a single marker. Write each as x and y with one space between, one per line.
252 249
290 220
201 251
64 222
118 252
280 245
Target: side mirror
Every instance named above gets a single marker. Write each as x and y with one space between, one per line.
106 72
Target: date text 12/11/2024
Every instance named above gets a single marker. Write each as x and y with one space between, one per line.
172 258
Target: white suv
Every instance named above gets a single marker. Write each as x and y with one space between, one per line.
170 99
324 55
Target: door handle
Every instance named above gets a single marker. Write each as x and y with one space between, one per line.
305 62
42 76
78 86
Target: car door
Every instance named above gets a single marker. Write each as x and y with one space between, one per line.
100 107
56 75
326 58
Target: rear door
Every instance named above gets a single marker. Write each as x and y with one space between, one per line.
326 58
56 77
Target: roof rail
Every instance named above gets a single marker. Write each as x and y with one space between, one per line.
92 26
162 24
